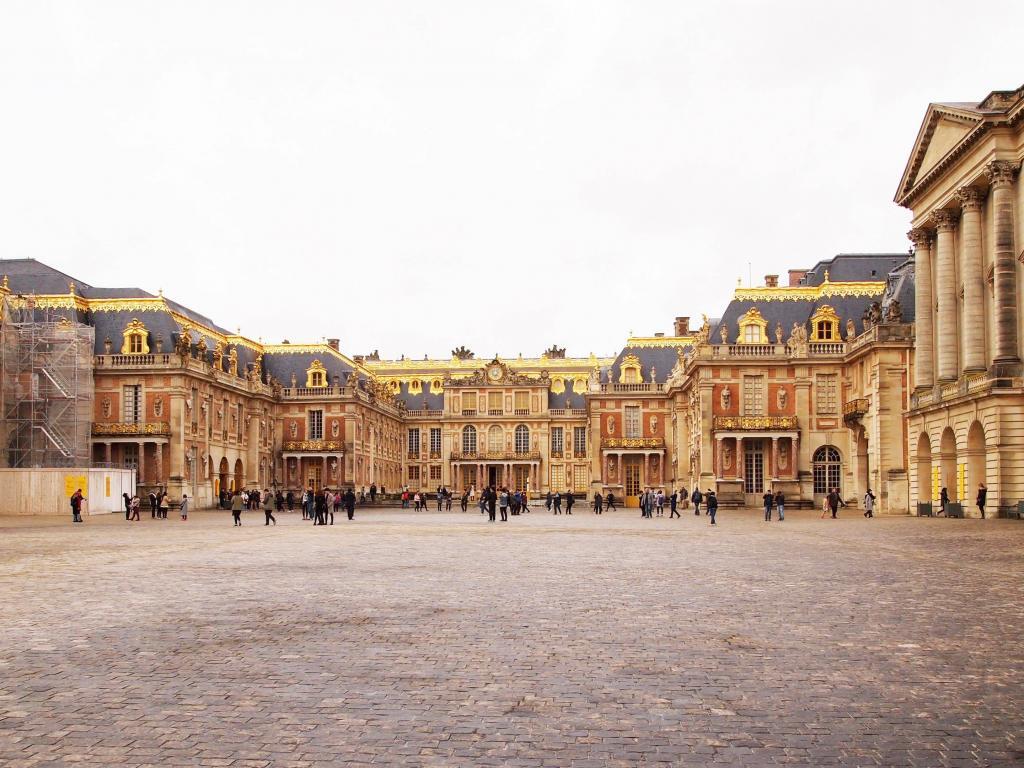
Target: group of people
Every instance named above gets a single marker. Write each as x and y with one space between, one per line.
980 500
494 500
320 505
159 505
419 499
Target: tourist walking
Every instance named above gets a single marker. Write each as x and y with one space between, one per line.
237 502
869 504
447 500
558 502
598 501
135 503
162 504
152 504
503 505
780 505
268 508
350 503
712 502
609 502
570 499
289 499
492 501
673 501
548 500
769 501
127 506
464 501
982 497
184 506
696 497
834 502
944 501
659 502
76 506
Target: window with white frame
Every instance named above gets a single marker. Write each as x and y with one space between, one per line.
632 421
825 393
579 440
414 441
435 440
132 403
316 425
557 440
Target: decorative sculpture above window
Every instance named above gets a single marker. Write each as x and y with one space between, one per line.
136 339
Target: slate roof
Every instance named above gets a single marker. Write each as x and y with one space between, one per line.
281 365
663 359
890 268
567 399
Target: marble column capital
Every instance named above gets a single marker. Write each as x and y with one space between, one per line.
920 237
945 219
1001 172
970 198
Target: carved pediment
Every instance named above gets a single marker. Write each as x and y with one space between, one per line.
943 129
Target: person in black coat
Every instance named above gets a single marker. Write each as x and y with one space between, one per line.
598 502
128 506
982 498
570 499
712 502
350 503
492 503
943 500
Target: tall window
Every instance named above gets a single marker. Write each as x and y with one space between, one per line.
195 410
632 425
414 472
522 403
316 425
469 403
557 440
435 471
557 477
414 441
469 439
579 440
133 403
522 438
825 386
495 439
240 422
753 395
494 407
435 440
826 468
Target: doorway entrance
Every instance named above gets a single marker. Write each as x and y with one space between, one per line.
631 475
753 467
493 475
314 477
468 477
521 476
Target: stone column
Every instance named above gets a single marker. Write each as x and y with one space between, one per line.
973 280
142 463
718 458
740 474
775 458
107 454
1007 352
924 308
325 479
946 294
159 463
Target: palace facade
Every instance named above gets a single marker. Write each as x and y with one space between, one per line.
896 372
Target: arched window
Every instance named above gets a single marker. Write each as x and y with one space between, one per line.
522 438
495 439
469 439
826 467
316 375
629 370
825 324
135 339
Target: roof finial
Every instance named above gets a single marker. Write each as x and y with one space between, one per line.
71 287
826 275
160 292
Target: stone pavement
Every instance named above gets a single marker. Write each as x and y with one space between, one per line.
438 639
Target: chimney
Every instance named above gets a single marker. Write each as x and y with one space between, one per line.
771 281
796 275
333 344
682 326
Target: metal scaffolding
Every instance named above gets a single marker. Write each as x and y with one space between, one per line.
46 388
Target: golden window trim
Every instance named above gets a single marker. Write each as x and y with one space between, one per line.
753 318
825 314
558 385
311 375
135 330
630 364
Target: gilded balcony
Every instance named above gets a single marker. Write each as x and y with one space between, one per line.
754 423
131 429
855 410
648 443
497 456
313 446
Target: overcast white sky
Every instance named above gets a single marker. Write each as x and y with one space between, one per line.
411 176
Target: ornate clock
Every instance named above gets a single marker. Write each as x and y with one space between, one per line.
494 372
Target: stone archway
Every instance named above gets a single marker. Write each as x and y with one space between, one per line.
925 492
976 467
947 463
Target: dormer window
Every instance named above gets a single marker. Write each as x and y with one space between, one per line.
629 370
136 339
825 324
316 375
753 327
415 387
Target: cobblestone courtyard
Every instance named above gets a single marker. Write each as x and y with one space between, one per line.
430 639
